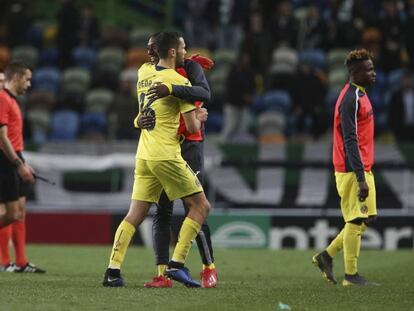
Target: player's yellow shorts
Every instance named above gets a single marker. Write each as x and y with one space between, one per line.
352 208
174 176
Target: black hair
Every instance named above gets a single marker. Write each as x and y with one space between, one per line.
15 67
165 41
356 57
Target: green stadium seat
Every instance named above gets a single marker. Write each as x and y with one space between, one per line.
114 55
337 77
224 57
336 58
39 122
76 80
138 37
27 54
98 100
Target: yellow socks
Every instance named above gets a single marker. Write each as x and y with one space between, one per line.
161 269
336 245
188 232
122 238
352 245
210 266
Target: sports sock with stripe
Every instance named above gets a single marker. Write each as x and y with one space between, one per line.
188 232
122 239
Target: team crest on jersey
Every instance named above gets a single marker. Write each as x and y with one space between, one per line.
364 209
197 182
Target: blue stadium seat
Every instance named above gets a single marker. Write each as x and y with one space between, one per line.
277 100
47 78
94 122
34 36
64 125
214 122
394 80
330 100
315 58
84 57
48 57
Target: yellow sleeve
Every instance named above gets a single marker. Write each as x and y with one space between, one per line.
186 106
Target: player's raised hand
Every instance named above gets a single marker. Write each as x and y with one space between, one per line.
205 62
363 190
158 90
201 114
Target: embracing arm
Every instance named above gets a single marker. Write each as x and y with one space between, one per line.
194 119
200 90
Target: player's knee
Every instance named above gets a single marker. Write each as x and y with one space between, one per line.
370 220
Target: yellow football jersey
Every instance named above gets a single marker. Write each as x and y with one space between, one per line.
162 142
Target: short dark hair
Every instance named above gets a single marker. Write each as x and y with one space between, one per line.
15 67
356 57
165 41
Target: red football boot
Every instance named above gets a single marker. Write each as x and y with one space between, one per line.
159 282
208 278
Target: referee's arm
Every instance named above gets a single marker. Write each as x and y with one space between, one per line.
24 170
7 147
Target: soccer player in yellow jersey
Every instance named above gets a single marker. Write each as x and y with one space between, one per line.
159 164
353 158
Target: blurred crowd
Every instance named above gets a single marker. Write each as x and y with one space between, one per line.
278 66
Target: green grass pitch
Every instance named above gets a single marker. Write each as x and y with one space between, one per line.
249 279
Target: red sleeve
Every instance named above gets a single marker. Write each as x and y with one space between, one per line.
4 111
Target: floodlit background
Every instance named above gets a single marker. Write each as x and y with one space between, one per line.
278 70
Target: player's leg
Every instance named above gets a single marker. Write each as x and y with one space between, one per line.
360 214
179 181
199 207
193 154
138 210
324 260
19 240
9 195
5 237
161 226
146 190
9 192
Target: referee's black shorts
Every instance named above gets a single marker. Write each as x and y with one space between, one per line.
12 187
